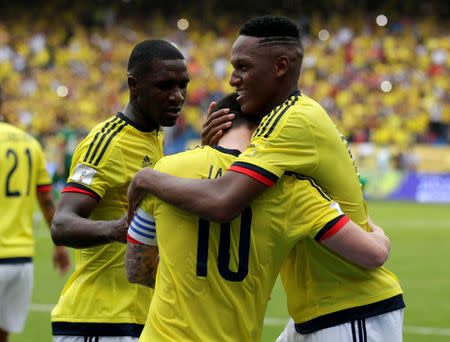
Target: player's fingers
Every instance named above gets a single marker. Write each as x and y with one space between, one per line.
216 133
64 266
215 115
215 139
210 109
211 127
130 213
215 119
219 124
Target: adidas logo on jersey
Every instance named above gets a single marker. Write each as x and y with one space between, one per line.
146 162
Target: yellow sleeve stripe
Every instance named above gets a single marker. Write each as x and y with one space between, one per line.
108 131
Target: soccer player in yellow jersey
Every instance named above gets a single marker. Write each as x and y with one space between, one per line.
98 303
214 281
295 136
23 178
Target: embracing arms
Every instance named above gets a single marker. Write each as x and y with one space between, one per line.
141 263
219 200
71 226
366 249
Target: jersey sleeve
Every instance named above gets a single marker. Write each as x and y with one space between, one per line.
283 142
313 214
43 181
94 171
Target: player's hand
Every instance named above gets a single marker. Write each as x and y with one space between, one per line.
119 229
373 227
216 122
61 259
135 194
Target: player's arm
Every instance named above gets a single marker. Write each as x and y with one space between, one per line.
71 226
366 249
141 263
141 257
61 259
220 200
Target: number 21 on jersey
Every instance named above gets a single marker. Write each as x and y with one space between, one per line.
13 159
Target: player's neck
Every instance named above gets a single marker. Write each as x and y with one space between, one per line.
236 138
133 113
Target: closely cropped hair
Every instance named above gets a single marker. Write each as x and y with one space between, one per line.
270 26
144 53
230 101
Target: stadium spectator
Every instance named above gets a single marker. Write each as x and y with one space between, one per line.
259 244
295 136
97 299
23 180
345 72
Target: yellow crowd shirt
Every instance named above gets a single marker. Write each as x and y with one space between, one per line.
214 280
98 299
22 174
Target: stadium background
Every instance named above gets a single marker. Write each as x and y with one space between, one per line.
384 80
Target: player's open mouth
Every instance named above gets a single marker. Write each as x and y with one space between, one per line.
174 111
241 94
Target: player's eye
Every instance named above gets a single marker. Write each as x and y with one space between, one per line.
165 85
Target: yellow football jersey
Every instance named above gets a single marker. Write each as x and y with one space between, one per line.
98 294
214 280
22 173
299 137
324 290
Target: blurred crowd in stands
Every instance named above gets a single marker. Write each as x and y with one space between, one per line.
63 72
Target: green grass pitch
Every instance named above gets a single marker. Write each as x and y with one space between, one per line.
420 237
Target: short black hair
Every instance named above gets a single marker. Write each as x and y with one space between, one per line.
275 30
144 53
230 101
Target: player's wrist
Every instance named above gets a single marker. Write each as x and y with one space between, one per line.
117 231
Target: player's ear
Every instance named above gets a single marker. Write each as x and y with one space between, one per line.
281 65
132 84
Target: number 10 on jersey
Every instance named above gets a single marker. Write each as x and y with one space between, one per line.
223 259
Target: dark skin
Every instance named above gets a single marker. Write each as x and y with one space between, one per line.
71 226
215 124
155 100
264 77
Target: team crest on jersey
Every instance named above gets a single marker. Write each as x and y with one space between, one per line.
83 174
146 162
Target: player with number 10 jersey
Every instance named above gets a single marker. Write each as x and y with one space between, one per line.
214 280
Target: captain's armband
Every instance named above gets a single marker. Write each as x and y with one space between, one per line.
143 228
